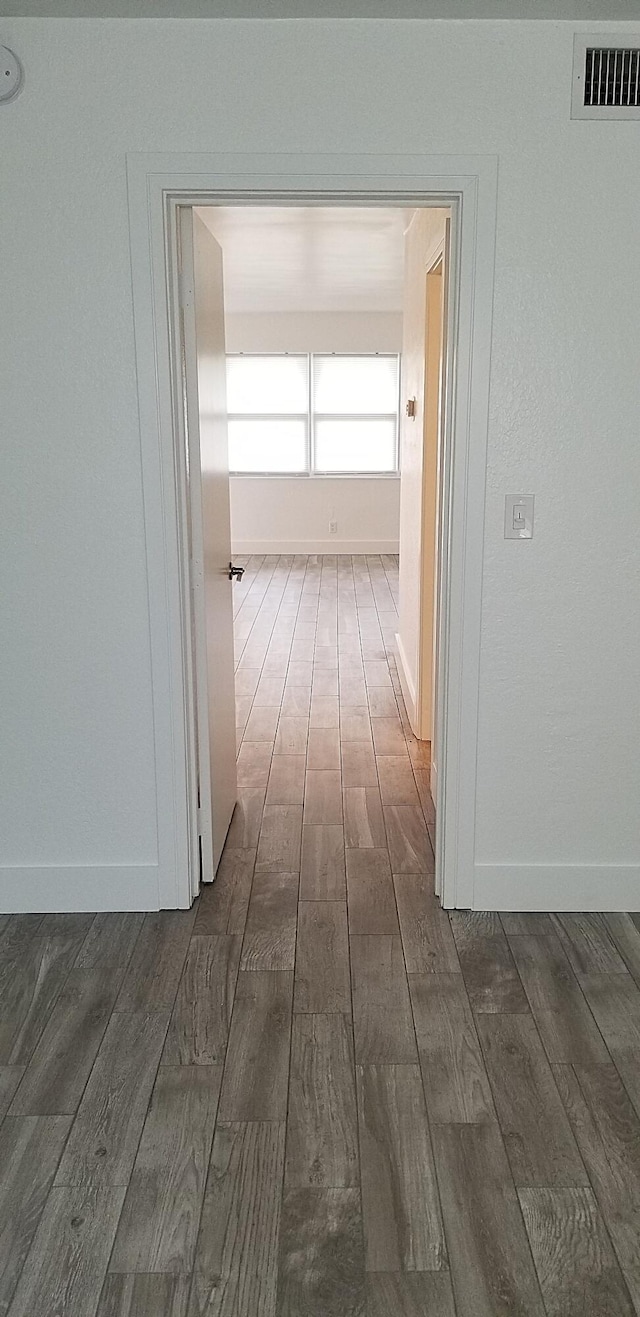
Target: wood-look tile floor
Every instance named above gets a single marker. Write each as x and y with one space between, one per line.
316 1094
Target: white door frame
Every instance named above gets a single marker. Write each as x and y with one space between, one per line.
157 184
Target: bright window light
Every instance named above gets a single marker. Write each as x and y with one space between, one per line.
266 446
355 385
267 384
355 445
313 414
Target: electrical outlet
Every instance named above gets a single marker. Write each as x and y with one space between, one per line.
333 528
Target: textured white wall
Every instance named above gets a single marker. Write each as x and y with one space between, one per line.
293 515
559 751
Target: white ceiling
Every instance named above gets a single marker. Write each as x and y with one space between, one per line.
576 10
310 258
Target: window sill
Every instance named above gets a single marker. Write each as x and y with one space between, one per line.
315 475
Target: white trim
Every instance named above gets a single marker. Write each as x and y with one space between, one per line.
557 887
332 545
469 185
53 888
407 685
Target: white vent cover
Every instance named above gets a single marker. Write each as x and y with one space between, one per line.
606 77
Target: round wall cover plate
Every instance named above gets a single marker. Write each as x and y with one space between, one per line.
10 74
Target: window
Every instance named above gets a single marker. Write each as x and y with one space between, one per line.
314 414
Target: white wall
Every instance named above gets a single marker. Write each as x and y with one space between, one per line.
559 749
292 515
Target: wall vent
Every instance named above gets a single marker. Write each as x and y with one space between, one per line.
606 78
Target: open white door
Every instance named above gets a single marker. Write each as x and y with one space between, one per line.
202 307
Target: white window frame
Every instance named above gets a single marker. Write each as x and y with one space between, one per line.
313 472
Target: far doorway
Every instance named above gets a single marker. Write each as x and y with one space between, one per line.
331 324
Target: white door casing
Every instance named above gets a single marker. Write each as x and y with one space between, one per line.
158 185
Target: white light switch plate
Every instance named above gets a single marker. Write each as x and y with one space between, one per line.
518 516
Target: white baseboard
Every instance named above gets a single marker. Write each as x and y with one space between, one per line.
408 688
433 783
332 545
557 887
57 889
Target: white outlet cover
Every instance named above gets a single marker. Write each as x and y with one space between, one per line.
11 75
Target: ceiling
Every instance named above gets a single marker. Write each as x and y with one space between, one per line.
576 10
310 258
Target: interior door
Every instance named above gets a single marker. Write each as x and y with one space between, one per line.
202 304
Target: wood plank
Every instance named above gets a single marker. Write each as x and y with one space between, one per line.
257 1066
576 1266
199 1025
110 941
626 936
615 1002
402 1221
269 691
607 1130
262 723
322 1131
320 1271
161 1212
296 702
523 922
104 1138
566 1025
363 821
144 1296
280 839
454 1076
382 702
152 978
377 673
30 1149
322 962
299 673
68 1259
323 750
537 1135
254 762
490 975
408 839
382 1020
322 870
397 783
10 1076
409 1294
324 711
222 905
292 736
426 931
388 736
55 1078
354 723
237 1251
588 943
359 764
323 797
33 971
491 1266
270 935
372 905
245 824
325 681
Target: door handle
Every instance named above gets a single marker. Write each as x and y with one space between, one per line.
238 572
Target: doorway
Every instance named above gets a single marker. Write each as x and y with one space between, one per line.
466 285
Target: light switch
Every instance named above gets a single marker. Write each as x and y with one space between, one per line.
518 516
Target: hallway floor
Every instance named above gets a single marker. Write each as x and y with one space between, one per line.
316 1094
